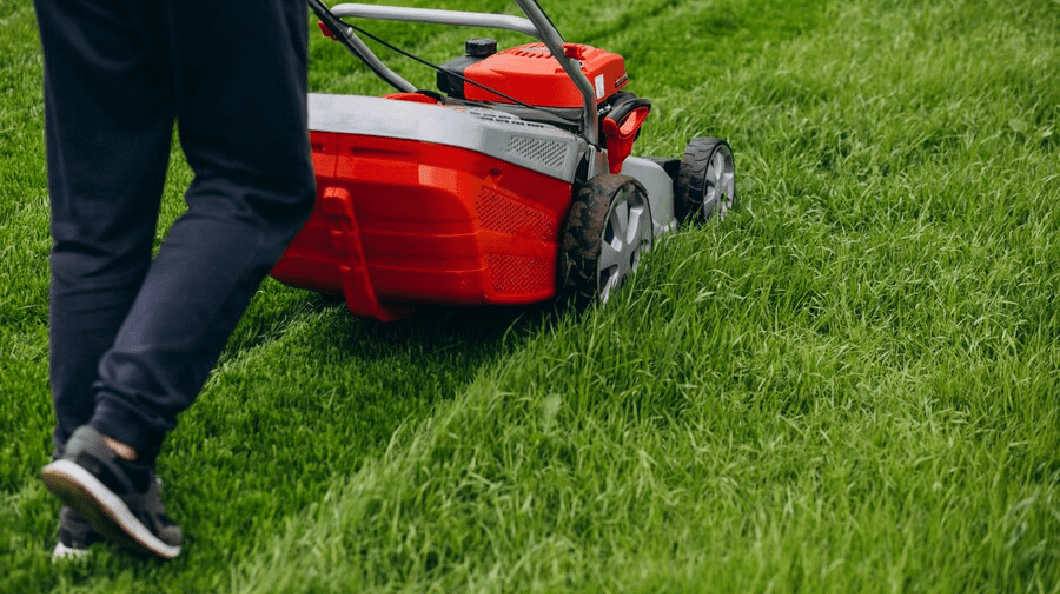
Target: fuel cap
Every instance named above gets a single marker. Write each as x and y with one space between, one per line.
480 48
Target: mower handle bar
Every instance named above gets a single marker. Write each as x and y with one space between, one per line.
536 25
436 16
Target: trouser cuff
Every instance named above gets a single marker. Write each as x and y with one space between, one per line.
119 423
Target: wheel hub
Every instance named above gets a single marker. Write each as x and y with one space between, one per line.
627 236
719 183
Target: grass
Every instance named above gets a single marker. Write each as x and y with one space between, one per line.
850 384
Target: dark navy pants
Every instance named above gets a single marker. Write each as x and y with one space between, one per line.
133 339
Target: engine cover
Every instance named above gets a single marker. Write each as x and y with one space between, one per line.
530 74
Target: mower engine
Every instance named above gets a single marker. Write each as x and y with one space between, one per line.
530 74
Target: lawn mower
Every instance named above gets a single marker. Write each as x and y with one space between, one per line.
511 184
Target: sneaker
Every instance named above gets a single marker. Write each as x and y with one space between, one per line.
75 535
119 498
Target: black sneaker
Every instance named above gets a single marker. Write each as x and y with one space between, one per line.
75 535
119 498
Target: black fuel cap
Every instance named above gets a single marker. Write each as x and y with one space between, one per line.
480 48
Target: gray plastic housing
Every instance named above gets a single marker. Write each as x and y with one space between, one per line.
538 147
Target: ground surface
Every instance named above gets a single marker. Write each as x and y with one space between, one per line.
850 384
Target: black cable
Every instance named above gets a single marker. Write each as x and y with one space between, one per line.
331 21
435 66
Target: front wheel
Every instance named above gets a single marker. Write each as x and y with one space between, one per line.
706 180
608 231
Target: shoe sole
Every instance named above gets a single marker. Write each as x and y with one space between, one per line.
65 553
107 513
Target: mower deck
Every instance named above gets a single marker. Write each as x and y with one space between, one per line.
422 203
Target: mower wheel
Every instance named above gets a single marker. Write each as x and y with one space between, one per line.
706 180
608 230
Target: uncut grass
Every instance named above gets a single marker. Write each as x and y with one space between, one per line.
849 385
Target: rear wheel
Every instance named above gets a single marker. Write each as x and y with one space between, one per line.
607 233
706 180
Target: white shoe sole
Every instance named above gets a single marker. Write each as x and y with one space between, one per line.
62 552
106 511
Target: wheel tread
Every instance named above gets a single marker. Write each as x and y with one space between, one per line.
581 246
688 197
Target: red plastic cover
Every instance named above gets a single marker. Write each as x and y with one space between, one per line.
530 74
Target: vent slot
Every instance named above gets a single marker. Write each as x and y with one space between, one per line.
533 50
500 213
548 153
520 274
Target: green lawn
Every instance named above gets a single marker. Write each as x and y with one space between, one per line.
851 384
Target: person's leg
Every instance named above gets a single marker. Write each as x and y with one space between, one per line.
239 96
108 128
240 79
109 122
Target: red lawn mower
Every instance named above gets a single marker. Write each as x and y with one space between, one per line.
509 185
